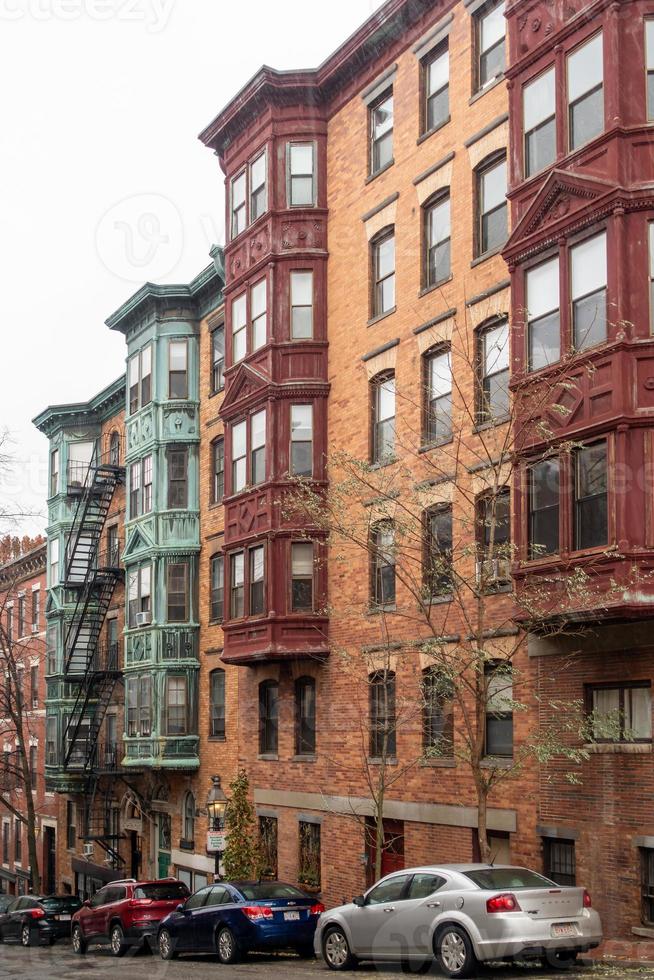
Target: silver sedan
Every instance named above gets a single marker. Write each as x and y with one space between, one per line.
461 914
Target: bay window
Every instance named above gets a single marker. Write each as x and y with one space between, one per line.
140 487
301 305
302 576
301 175
54 472
258 447
649 62
590 496
239 328
539 122
257 582
177 369
543 508
237 585
138 593
301 440
238 204
585 92
176 706
588 274
543 317
139 705
54 562
177 478
258 195
258 314
239 456
177 610
139 373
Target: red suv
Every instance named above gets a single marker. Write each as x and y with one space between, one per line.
126 913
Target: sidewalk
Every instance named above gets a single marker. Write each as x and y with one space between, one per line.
636 952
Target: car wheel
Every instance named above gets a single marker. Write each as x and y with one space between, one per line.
454 952
166 946
117 940
336 950
26 935
78 942
226 947
562 959
305 952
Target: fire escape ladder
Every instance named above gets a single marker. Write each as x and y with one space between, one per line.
94 694
98 827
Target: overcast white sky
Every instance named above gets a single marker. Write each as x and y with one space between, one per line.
103 183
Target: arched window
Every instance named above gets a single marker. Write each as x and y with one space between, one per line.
382 261
382 554
493 371
382 713
114 449
189 817
217 703
437 722
268 716
382 417
437 234
494 539
491 206
305 716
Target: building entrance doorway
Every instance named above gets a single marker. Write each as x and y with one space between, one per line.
50 859
393 852
163 861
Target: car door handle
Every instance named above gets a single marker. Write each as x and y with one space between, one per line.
433 905
391 908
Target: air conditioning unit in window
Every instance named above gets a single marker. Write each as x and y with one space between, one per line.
88 850
143 618
493 572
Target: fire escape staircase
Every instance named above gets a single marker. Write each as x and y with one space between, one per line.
89 668
98 824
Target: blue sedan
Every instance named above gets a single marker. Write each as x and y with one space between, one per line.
231 918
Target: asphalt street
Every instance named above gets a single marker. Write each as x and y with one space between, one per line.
59 963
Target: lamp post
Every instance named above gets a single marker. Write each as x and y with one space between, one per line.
216 806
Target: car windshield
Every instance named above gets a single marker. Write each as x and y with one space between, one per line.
162 891
268 889
61 903
492 878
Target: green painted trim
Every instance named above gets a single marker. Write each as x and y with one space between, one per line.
97 409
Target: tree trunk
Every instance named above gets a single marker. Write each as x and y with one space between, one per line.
31 816
482 828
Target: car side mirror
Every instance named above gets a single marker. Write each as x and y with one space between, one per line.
86 904
359 901
181 907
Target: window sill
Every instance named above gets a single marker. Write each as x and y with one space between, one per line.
374 760
220 391
428 446
309 757
268 757
497 762
619 748
216 505
441 600
381 316
389 607
216 622
488 87
491 424
430 132
499 589
187 845
439 763
369 179
436 285
487 255
381 463
216 738
647 932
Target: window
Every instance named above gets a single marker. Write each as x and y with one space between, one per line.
590 497
54 562
114 449
147 484
10 624
539 122
559 861
492 208
258 447
268 846
54 472
258 196
651 273
383 418
18 839
305 716
308 870
237 585
36 610
543 479
139 705
239 328
176 706
382 714
437 235
381 132
391 890
217 587
140 379
383 269
178 593
218 470
621 713
649 59
177 369
438 407
437 717
189 818
491 31
140 487
177 479
239 456
499 709
80 455
585 92
258 314
494 538
301 305
33 763
138 593
647 885
51 741
494 366
588 292
239 212
302 576
437 88
71 827
301 167
257 583
268 717
34 685
438 548
217 703
302 440
382 542
218 359
21 615
543 320
51 649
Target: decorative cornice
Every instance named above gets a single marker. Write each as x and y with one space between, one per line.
25 566
103 405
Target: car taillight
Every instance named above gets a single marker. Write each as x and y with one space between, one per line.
317 909
255 912
138 903
503 903
587 901
37 913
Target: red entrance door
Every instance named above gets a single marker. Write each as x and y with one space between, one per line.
393 852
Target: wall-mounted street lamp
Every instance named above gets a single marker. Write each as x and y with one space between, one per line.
216 806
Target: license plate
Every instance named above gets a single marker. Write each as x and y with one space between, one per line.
64 918
564 929
291 916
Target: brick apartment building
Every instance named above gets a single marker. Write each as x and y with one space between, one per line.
22 608
376 285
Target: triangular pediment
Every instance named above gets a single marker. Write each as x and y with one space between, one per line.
137 541
247 381
561 196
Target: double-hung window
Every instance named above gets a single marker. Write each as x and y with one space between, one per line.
588 273
302 576
494 373
383 418
54 562
177 593
301 440
301 305
539 122
257 581
585 92
621 712
437 234
36 610
54 472
436 76
382 714
437 568
383 271
543 504
494 539
217 596
301 175
138 593
140 487
491 43
438 407
491 203
218 470
499 709
176 706
140 379
381 132
268 716
258 314
590 496
305 716
237 585
218 359
177 478
217 703
383 564
139 705
543 319
239 206
239 328
239 456
560 863
649 61
437 715
258 195
650 233
258 447
177 369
